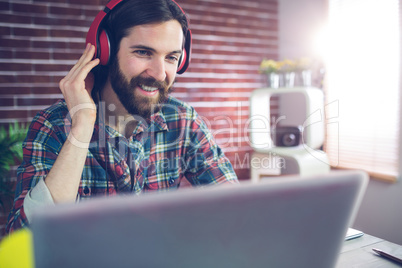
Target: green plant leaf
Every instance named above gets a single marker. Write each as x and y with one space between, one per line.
11 146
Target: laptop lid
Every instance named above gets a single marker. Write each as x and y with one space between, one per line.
281 222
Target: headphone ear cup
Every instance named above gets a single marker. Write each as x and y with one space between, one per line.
182 62
185 58
103 51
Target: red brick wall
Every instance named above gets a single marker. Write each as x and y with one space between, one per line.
42 39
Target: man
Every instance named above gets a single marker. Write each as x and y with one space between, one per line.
126 135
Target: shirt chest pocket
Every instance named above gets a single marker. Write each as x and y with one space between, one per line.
163 175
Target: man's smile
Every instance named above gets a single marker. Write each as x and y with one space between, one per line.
148 91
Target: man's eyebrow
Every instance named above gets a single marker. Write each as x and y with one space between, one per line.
142 47
153 50
176 52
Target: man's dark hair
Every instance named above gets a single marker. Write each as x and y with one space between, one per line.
132 13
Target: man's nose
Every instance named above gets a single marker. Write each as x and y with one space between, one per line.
156 69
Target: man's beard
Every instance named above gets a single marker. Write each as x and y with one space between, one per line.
136 104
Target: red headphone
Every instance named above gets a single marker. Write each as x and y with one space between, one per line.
100 39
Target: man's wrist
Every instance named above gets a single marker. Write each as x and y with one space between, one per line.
81 134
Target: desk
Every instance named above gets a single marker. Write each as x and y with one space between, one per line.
358 253
355 253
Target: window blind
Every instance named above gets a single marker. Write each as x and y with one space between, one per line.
362 87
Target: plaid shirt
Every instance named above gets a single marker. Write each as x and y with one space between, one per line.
176 145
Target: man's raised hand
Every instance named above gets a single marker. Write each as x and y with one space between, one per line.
76 87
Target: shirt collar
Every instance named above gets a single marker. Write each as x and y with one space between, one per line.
158 122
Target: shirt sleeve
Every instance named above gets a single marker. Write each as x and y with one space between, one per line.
37 198
40 150
206 162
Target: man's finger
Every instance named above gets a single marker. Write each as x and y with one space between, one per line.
84 61
85 70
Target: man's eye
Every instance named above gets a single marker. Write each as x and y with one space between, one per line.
173 58
142 52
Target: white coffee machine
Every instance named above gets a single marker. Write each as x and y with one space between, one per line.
288 126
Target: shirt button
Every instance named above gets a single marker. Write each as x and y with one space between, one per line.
86 190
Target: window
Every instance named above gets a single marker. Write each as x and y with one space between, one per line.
363 89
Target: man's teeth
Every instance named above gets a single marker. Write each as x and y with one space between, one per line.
149 89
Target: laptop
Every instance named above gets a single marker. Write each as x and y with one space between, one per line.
279 222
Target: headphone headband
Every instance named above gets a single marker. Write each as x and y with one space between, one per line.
100 39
